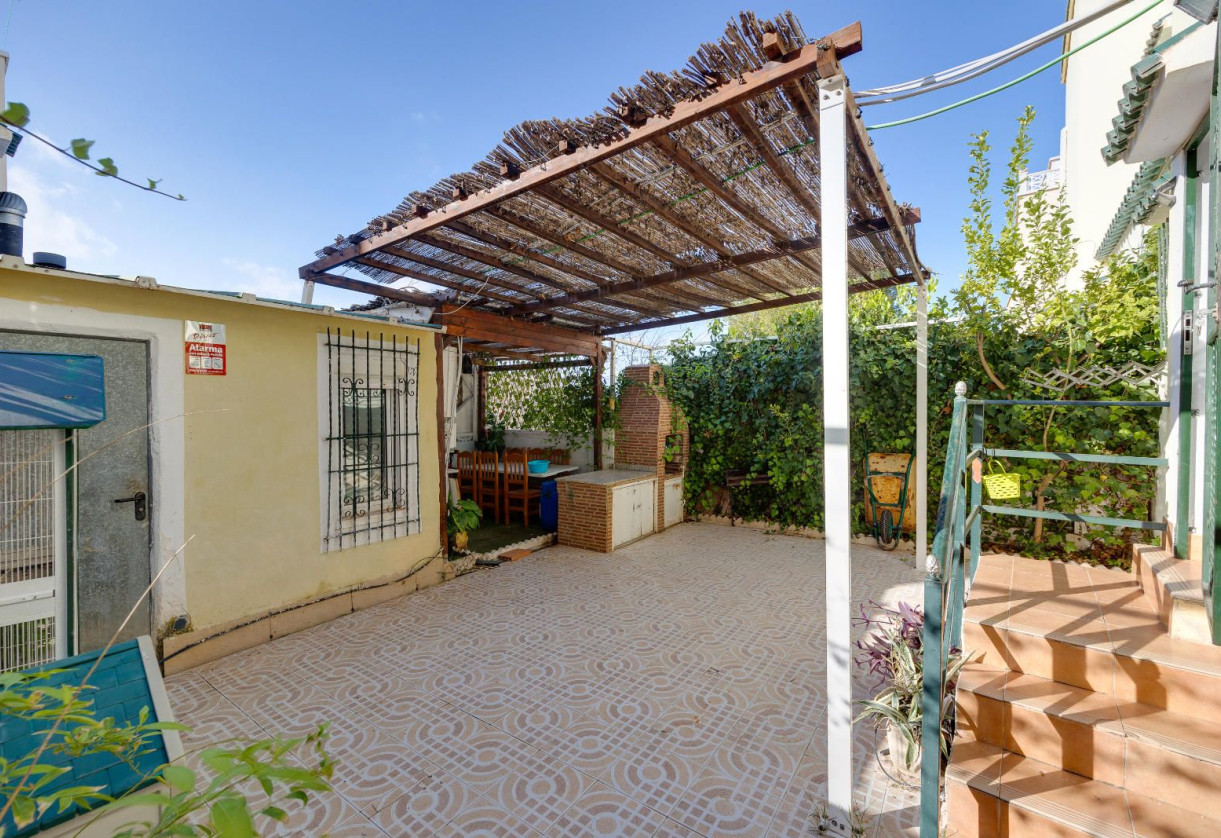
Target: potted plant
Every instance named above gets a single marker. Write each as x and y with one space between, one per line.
463 516
892 650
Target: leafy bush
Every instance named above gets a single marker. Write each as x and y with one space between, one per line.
756 405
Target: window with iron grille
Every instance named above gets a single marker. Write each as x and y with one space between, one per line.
371 438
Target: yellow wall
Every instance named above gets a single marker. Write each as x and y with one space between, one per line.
252 471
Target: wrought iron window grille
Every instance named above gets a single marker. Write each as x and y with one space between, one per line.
372 438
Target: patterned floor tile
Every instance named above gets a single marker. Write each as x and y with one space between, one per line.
426 807
486 820
676 675
541 791
653 776
603 811
718 805
590 746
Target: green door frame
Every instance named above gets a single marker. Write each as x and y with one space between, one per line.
1210 535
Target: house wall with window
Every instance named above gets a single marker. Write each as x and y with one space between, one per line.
302 484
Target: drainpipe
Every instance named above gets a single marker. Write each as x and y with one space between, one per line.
12 207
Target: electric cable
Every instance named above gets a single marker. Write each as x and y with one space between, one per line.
976 68
1016 81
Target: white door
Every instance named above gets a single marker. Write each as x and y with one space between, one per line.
646 508
33 548
623 514
673 511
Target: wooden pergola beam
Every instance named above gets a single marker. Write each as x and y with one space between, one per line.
808 114
844 42
459 271
408 273
376 289
489 260
716 187
605 260
539 365
601 259
611 226
603 223
813 296
493 328
633 190
512 248
781 250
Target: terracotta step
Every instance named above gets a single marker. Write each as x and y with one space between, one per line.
1164 755
994 793
1174 589
1087 627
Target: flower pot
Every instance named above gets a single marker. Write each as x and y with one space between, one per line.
459 540
905 770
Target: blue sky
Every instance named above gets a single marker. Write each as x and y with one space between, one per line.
285 123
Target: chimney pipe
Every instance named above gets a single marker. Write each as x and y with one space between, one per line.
12 221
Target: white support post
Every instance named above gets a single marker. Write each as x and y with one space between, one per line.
307 292
837 463
921 423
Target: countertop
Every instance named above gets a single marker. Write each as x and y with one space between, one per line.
608 477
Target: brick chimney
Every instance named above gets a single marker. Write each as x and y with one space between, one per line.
646 418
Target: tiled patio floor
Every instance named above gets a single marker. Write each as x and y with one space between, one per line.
673 688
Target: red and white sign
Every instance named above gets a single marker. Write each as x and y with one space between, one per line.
205 343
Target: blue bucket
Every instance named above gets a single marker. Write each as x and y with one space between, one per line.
538 466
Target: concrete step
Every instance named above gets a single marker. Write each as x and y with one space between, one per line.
994 793
1087 627
1174 590
1167 756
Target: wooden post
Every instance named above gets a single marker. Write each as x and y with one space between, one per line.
598 409
442 443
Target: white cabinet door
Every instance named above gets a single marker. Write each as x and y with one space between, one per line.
646 508
623 514
673 510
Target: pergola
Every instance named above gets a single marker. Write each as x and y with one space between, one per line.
744 182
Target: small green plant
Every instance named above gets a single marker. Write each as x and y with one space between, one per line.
494 439
858 821
464 515
285 769
893 651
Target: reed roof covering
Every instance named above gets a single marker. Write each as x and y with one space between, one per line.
693 194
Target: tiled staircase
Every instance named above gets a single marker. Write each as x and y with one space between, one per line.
1082 716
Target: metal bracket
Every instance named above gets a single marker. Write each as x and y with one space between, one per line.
1189 333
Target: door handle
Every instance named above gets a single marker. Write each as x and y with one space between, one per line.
141 504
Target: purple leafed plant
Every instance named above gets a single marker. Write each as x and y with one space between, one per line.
888 626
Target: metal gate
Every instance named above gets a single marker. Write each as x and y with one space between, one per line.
33 548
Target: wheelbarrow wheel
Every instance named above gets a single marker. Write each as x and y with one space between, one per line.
887 538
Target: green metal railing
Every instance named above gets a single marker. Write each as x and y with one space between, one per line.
955 555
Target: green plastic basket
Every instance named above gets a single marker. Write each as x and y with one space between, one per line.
1002 485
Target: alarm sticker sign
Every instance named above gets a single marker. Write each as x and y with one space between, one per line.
205 345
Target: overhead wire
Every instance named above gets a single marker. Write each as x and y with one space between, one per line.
1016 81
980 66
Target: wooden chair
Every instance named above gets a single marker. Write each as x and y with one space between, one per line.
487 482
468 486
536 453
560 456
518 497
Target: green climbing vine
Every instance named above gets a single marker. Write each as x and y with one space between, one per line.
17 115
756 404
